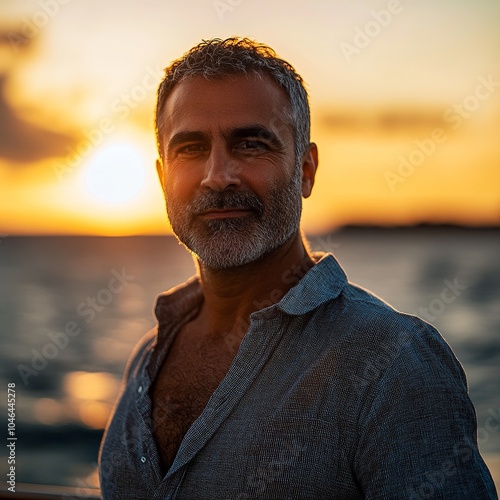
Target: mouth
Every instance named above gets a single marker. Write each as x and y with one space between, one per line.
225 213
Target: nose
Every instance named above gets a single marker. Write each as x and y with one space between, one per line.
222 171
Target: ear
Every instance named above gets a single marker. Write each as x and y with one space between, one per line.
159 171
309 167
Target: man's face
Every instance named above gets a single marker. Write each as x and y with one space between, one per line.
230 176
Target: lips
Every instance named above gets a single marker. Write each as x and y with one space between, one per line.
223 213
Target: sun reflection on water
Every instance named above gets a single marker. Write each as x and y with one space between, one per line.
88 399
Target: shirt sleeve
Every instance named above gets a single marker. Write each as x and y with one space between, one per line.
418 429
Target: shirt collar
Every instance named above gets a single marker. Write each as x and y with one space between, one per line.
179 302
323 282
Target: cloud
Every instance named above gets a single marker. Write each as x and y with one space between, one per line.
22 142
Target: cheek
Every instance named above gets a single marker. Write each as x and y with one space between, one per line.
273 173
180 183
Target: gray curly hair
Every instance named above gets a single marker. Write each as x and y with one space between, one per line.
218 58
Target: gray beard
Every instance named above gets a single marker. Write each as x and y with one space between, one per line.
234 242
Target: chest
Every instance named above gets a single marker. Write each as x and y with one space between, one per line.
191 372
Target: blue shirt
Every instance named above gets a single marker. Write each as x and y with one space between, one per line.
332 395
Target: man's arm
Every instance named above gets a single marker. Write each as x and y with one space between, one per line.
418 432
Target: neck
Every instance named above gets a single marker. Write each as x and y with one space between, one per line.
231 295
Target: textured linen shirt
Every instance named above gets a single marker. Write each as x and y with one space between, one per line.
332 395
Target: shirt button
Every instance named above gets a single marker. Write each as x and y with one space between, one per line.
143 459
139 389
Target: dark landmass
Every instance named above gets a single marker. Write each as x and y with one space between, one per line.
424 226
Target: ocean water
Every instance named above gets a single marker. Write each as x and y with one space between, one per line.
72 308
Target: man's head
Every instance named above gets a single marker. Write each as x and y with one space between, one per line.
231 167
216 58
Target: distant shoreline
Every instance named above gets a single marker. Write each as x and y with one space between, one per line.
416 227
347 229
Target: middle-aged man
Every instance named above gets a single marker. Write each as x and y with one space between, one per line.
269 375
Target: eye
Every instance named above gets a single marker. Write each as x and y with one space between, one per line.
251 146
191 149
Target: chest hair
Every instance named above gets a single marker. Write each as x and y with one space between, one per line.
193 368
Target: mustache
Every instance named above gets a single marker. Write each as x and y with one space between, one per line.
226 200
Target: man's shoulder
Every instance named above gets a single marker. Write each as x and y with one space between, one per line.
373 321
340 299
364 307
368 328
355 319
341 309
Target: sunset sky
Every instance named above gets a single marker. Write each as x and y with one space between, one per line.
405 100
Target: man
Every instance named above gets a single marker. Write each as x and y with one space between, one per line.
269 376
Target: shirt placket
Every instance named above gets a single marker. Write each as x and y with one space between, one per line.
254 351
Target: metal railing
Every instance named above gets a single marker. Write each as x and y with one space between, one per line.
25 491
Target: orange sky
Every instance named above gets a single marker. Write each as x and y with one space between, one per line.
405 99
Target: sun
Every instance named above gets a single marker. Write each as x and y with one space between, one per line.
115 174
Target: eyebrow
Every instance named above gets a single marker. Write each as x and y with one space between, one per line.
183 137
259 132
254 131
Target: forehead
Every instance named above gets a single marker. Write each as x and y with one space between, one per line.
229 102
